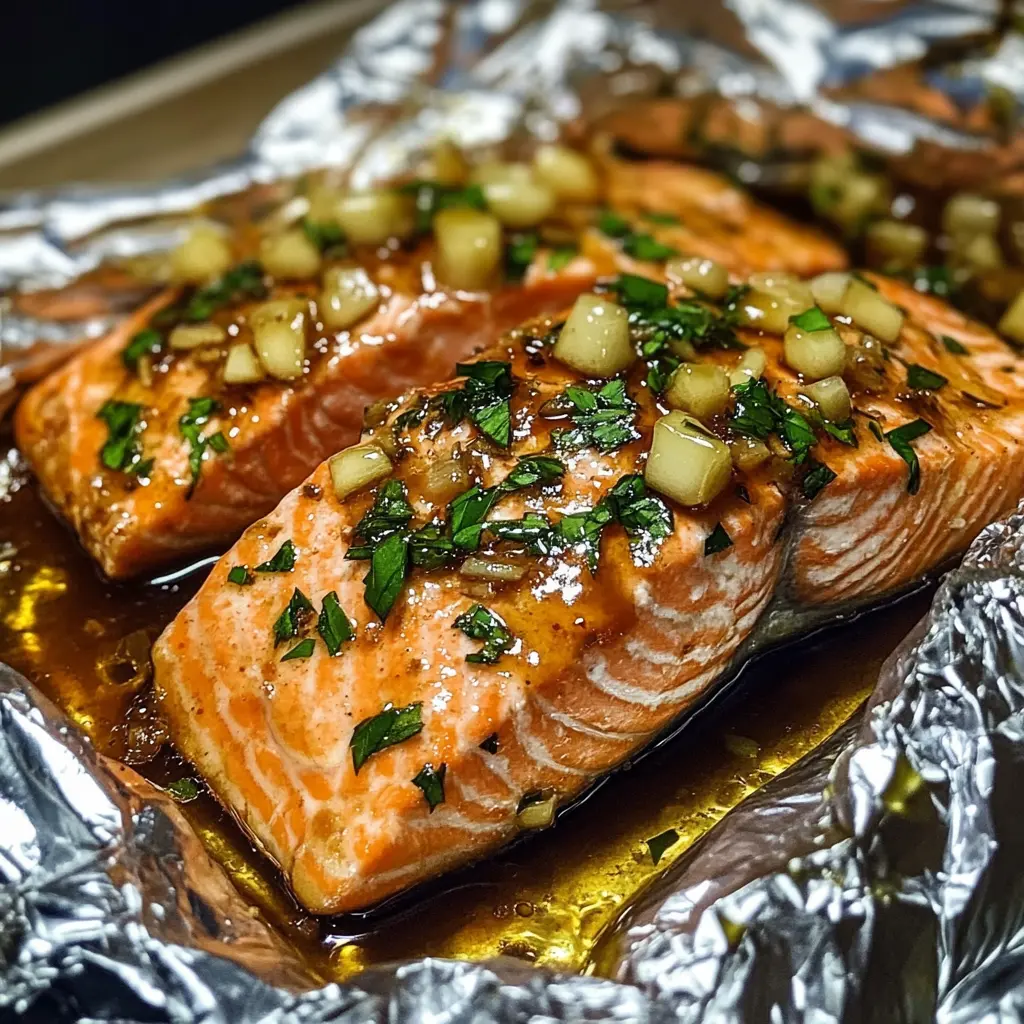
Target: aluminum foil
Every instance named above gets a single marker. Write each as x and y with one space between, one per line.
877 880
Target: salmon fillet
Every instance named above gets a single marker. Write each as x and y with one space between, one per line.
273 434
453 710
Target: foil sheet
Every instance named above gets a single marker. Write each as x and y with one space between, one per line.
875 881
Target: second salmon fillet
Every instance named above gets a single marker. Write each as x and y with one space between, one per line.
197 415
524 575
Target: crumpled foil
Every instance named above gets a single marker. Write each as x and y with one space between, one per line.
877 880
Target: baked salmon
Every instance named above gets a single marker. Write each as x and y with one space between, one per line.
153 450
544 568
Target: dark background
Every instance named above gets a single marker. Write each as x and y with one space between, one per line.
55 49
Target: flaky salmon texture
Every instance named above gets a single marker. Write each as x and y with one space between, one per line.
525 574
150 467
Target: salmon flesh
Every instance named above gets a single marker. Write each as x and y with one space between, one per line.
384 686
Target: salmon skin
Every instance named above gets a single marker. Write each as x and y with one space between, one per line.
244 446
386 685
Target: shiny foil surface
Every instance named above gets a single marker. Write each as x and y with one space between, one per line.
878 880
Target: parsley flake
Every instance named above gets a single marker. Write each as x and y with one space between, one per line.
389 565
430 197
431 781
241 282
659 844
561 256
920 378
817 477
900 439
952 346
240 576
479 623
483 399
293 619
148 342
717 540
390 513
333 625
184 790
604 419
385 729
811 320
121 450
303 649
760 412
283 561
644 247
190 424
520 253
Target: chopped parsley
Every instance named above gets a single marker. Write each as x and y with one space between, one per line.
244 281
533 469
190 424
952 346
717 540
659 326
811 320
121 450
148 342
240 576
431 781
184 790
483 399
383 730
389 565
935 280
490 744
324 234
920 378
604 419
644 247
561 256
817 477
843 432
333 625
293 619
520 252
303 649
390 513
430 197
900 439
612 225
760 412
479 623
659 844
283 561
660 217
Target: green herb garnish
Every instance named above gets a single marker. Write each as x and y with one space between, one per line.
483 399
612 225
717 540
183 790
240 576
242 282
953 346
900 439
604 419
533 469
561 256
121 450
333 625
390 513
817 477
644 247
657 845
282 561
383 730
640 292
303 649
293 619
190 424
479 623
147 342
660 217
933 280
520 252
324 234
811 320
389 565
432 196
431 782
760 412
843 432
920 378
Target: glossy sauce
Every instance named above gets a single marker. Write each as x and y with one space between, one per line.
547 899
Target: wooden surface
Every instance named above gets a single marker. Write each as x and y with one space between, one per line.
187 112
